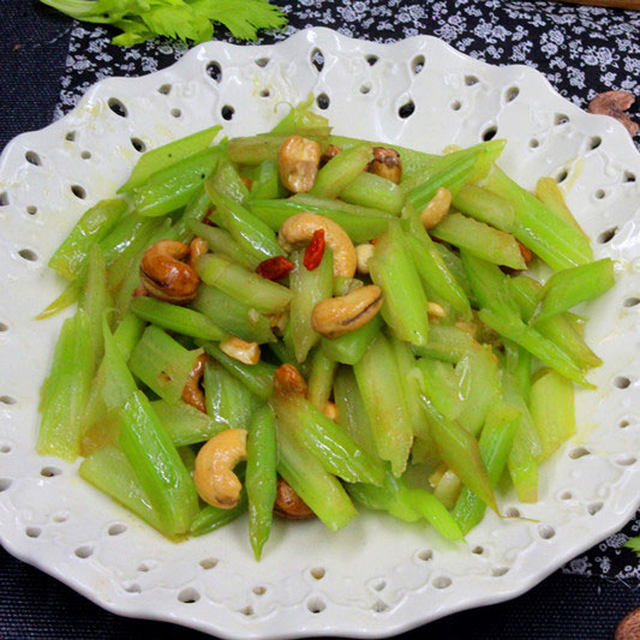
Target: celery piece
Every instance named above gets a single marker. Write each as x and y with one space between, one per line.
157 464
566 289
554 240
370 190
454 264
301 117
433 269
245 286
173 187
552 410
439 384
550 194
227 181
231 316
109 470
66 390
325 440
446 343
380 384
350 347
221 241
360 224
405 304
186 424
168 155
352 416
486 207
323 492
448 489
252 235
176 318
494 446
526 293
69 296
393 497
517 365
343 285
266 182
560 330
261 476
127 333
162 363
459 450
228 401
436 513
480 240
258 378
252 150
70 257
545 350
323 369
211 518
194 212
341 170
308 288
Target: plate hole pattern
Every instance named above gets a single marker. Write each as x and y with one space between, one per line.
247 611
8 400
175 112
31 210
317 60
3 327
117 107
489 133
138 145
214 71
470 80
441 582
379 585
425 555
579 452
86 155
33 532
189 595
561 176
262 62
28 254
209 563
628 176
78 191
164 89
594 142
456 105
512 512
511 94
534 143
566 495
84 552
227 112
498 572
626 460
5 448
33 158
116 529
417 64
477 550
323 101
560 119
379 606
594 508
259 591
317 573
316 605
132 587
607 235
5 483
365 88
621 382
631 302
407 109
546 532
371 59
50 472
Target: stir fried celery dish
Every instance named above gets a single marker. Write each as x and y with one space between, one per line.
302 325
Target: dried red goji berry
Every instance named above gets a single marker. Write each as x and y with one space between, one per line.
275 268
527 254
314 251
248 182
373 241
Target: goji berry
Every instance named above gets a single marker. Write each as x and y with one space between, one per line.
527 254
275 268
314 251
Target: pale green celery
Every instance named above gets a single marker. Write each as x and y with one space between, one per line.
186 424
370 190
96 300
258 378
448 489
308 288
302 120
127 334
562 332
526 293
405 304
252 150
168 155
480 240
350 347
266 182
446 343
233 317
109 470
352 416
380 385
211 518
157 464
162 363
439 384
343 285
228 400
323 369
69 296
550 194
454 264
552 409
245 286
486 207
341 170
227 181
194 212
221 241
517 364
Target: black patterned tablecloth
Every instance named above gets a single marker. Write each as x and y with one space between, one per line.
46 64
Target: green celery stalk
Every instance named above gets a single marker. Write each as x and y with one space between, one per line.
454 264
221 241
350 347
446 343
323 369
302 119
186 424
526 293
227 181
69 296
343 285
341 170
233 317
261 476
559 330
266 182
370 190
380 384
485 206
438 382
480 240
494 446
168 155
245 286
550 194
162 363
308 288
176 318
552 410
211 518
252 150
517 365
258 378
194 212
405 305
565 289
70 258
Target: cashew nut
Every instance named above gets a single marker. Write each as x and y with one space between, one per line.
163 274
364 253
615 104
289 504
334 317
299 228
213 476
386 163
298 160
278 322
437 208
331 410
330 152
435 310
197 248
192 393
287 380
241 350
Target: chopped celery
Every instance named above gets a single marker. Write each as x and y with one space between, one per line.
186 424
341 170
370 190
323 369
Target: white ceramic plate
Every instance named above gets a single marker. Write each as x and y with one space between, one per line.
377 576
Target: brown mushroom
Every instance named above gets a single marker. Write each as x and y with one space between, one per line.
615 104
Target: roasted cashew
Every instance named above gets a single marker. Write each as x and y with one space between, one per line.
437 208
435 310
334 317
213 476
241 350
289 504
386 163
331 410
364 253
163 274
278 322
192 393
298 160
299 228
330 152
287 380
197 248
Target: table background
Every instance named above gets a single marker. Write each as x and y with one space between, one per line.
47 61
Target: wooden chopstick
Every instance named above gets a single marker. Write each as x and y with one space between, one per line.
611 4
